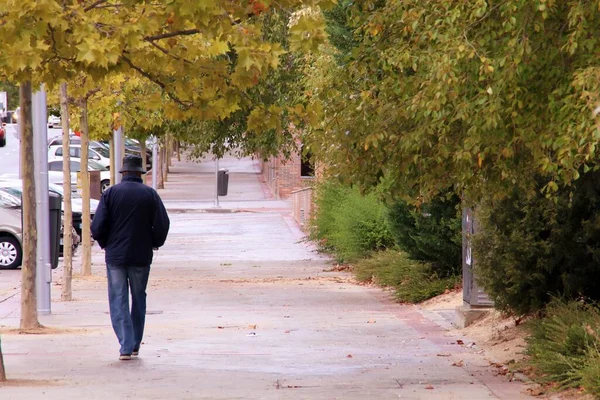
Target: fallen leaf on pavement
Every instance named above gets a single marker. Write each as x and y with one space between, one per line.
460 342
429 387
287 331
220 327
252 326
349 356
371 321
537 391
444 355
459 363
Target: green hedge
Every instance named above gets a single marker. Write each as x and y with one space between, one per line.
564 346
430 233
412 281
531 248
349 224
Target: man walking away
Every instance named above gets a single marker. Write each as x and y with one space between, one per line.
130 222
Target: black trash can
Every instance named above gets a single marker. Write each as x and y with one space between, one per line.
222 182
55 205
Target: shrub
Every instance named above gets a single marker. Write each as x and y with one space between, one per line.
590 374
431 233
328 199
563 346
412 281
349 224
530 248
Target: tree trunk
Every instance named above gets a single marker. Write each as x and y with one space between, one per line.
161 183
165 166
29 316
123 148
143 153
169 153
2 370
86 240
67 293
113 163
178 150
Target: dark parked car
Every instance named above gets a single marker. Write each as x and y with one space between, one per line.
3 135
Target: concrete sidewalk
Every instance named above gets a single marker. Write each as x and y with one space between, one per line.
239 307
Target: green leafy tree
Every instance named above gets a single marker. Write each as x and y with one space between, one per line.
478 95
12 94
431 232
531 248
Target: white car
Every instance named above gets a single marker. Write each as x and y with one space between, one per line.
97 154
55 172
76 200
53 121
15 187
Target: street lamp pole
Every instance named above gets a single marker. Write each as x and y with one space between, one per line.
118 144
40 146
154 163
217 183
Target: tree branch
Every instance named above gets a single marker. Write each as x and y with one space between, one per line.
188 32
168 53
94 5
156 81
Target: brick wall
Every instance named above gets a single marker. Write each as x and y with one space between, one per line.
302 206
283 176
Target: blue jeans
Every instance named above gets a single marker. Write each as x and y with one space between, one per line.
128 325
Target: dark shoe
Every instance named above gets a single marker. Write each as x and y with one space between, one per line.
135 353
125 357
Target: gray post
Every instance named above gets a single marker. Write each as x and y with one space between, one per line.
154 163
475 301
118 143
217 183
40 144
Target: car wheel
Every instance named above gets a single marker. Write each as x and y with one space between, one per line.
104 185
11 253
2 142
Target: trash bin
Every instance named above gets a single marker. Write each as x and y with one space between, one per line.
55 205
222 182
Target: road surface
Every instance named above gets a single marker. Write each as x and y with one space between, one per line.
9 155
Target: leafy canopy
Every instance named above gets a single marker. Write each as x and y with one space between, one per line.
185 47
475 94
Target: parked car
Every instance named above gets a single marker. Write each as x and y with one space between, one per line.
133 147
76 206
56 165
99 155
76 140
54 121
11 231
15 188
3 135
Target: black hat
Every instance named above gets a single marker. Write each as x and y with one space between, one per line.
132 164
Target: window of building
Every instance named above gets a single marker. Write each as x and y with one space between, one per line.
307 167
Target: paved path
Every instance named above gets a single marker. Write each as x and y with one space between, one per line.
240 308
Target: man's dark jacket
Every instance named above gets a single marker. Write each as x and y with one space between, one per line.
130 221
